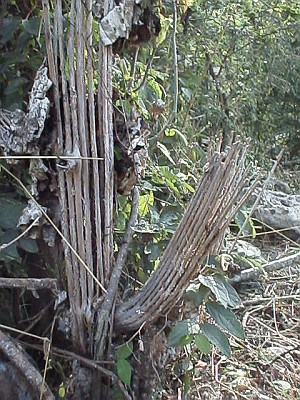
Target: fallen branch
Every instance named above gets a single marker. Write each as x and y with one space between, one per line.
254 273
28 283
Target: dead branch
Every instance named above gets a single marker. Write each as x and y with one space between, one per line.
254 273
28 283
21 374
198 235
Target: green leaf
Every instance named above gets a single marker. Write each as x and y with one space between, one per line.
124 351
187 383
218 286
144 202
217 337
225 319
242 217
197 293
9 27
181 329
233 296
124 371
32 25
166 152
202 343
10 252
185 340
28 245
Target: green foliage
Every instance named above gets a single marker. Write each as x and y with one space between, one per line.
245 224
225 319
217 295
217 337
10 211
21 52
124 368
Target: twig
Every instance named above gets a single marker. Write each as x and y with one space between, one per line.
5 245
122 254
28 283
19 360
107 304
47 349
69 355
254 302
275 265
9 328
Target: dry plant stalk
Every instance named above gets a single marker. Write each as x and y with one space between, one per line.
199 234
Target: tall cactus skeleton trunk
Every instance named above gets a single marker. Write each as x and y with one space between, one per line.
84 131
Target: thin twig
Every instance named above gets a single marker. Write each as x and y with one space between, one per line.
9 328
47 348
5 245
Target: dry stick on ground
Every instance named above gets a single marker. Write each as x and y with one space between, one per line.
198 235
254 273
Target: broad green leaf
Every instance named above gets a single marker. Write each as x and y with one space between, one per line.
32 25
156 87
181 329
233 296
197 293
165 23
124 371
124 351
185 340
166 152
202 343
28 245
225 319
144 202
9 27
218 286
217 337
10 252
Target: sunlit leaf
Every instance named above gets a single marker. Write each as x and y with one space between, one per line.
220 288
